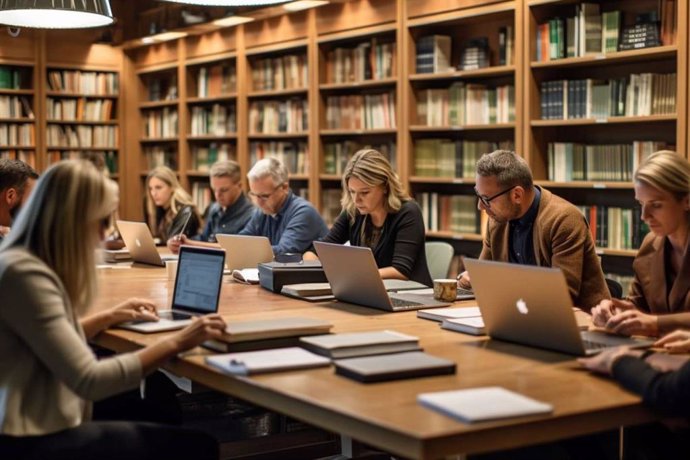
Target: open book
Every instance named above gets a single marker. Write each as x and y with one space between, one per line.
246 275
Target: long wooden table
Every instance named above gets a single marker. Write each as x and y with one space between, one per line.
387 415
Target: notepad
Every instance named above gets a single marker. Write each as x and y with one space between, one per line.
393 367
246 275
360 344
473 325
439 314
481 404
257 362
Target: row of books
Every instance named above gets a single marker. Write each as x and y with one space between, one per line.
216 80
452 158
17 135
13 77
639 95
337 154
294 155
202 195
15 107
330 204
609 162
155 156
451 213
368 60
354 111
82 136
216 120
615 228
284 72
433 54
162 87
204 156
466 104
27 156
80 109
162 123
105 159
83 82
288 116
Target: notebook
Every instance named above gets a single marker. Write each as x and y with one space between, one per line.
471 325
244 251
140 244
542 317
460 293
394 366
439 314
197 290
354 278
353 344
481 404
257 362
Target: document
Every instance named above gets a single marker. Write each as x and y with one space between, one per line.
256 362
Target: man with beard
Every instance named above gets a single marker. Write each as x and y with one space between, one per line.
16 181
531 226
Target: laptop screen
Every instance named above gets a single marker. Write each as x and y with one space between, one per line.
198 281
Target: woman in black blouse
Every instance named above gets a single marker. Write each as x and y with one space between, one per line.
379 214
168 206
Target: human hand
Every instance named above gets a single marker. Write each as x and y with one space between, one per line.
675 342
4 231
134 309
464 280
609 308
633 322
201 329
309 256
175 242
602 363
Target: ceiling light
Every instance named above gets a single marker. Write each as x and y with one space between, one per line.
56 14
232 21
304 4
228 2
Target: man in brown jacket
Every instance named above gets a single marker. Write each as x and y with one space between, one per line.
531 226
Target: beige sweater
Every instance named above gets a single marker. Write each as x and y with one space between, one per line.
47 371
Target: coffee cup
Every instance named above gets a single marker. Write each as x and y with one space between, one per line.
171 269
445 290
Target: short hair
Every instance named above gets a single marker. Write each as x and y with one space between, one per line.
269 167
59 225
226 168
373 168
15 174
666 170
508 167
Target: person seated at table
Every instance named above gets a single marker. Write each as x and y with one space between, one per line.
169 209
379 214
16 182
290 222
659 299
48 373
531 226
228 214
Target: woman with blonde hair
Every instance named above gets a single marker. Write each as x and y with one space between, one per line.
169 207
48 373
378 213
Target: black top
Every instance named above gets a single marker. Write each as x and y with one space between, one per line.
521 243
669 391
176 226
400 244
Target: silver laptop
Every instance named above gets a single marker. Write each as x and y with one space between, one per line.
245 251
140 244
354 278
532 306
197 290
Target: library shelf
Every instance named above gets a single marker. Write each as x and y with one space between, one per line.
83 149
269 136
83 122
357 132
613 58
158 104
616 252
17 120
212 138
607 120
66 95
155 140
384 82
439 129
211 99
492 71
455 236
442 180
585 184
16 92
278 93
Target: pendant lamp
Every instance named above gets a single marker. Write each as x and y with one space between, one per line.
56 14
228 2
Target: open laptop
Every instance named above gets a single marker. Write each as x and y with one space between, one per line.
197 290
532 306
244 251
140 244
354 278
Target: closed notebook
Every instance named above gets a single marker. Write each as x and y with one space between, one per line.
257 362
360 344
482 404
439 314
393 366
473 325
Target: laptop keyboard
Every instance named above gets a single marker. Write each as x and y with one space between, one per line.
462 291
400 303
592 345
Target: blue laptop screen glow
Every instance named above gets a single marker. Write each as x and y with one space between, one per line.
198 282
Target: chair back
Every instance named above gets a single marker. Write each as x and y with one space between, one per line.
439 255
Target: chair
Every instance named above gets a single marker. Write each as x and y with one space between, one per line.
438 258
615 288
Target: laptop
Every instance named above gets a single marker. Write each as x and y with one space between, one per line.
244 251
197 290
140 244
532 306
354 278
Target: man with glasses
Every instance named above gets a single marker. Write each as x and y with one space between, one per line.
531 226
288 221
228 214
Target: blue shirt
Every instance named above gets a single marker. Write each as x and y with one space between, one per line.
231 221
521 244
292 229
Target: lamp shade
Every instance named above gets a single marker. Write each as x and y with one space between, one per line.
228 2
56 14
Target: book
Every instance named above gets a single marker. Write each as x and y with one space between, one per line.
481 404
472 325
246 275
307 289
257 362
440 314
393 367
355 344
116 255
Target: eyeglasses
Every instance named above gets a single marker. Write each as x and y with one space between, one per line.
487 201
265 196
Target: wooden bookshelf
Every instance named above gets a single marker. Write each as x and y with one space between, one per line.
18 112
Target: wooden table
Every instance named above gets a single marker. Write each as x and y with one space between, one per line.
387 415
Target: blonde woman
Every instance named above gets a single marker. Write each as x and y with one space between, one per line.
378 213
169 206
48 374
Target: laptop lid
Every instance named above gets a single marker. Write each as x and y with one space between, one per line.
139 242
245 251
354 278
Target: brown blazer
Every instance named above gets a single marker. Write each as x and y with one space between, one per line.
561 240
648 290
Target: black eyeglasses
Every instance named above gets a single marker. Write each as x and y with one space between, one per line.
487 201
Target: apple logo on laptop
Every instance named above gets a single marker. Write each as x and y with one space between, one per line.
138 242
521 306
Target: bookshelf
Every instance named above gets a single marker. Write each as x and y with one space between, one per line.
17 113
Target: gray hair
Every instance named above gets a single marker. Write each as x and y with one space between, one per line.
269 167
508 167
226 168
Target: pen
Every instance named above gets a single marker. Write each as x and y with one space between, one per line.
184 227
